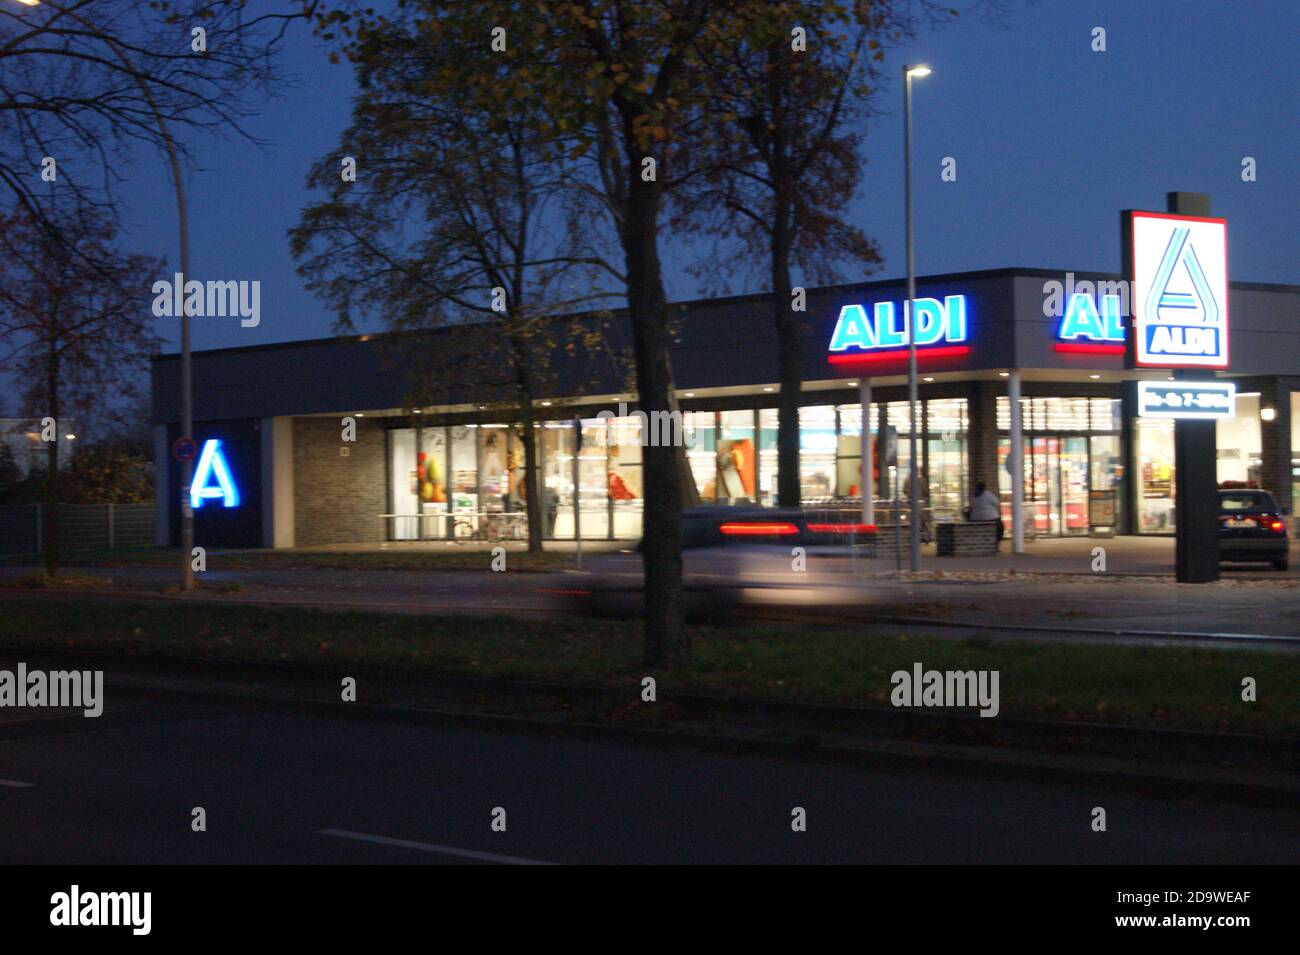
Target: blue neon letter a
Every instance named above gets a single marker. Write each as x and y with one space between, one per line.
212 463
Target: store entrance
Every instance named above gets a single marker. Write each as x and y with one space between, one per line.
1056 484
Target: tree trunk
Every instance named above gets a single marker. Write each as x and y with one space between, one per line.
690 493
524 399
532 491
790 365
665 632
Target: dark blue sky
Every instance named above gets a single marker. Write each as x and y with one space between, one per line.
1051 140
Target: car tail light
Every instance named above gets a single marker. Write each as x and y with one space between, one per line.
842 528
1278 526
758 529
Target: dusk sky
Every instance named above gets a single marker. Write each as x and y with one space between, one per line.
1050 138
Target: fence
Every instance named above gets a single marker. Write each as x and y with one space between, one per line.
81 527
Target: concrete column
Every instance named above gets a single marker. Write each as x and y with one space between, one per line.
162 490
866 483
277 482
1014 455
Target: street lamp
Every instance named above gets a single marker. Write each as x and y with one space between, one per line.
187 411
914 481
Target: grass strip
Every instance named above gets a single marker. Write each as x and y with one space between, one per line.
1164 687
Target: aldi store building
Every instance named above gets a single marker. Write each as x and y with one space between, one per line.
275 467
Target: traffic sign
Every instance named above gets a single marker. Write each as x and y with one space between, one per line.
183 449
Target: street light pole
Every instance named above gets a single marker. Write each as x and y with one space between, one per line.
908 313
187 411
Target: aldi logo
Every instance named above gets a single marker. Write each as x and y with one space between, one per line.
1180 290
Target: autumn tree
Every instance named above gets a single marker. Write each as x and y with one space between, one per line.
784 161
447 210
74 327
630 84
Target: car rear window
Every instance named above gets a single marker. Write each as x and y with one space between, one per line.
1246 501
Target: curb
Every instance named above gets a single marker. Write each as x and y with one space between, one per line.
237 599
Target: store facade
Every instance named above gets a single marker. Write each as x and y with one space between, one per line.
407 473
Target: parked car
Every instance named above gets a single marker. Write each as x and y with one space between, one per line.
733 556
1252 528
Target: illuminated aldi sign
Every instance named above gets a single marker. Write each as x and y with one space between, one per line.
1187 399
881 333
1086 328
212 478
1179 269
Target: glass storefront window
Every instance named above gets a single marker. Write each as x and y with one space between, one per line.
1155 475
404 496
494 470
1237 439
898 415
768 423
1295 451
848 452
737 458
1105 414
418 491
434 498
1063 414
626 495
946 450
1106 470
518 473
593 476
700 432
557 483
817 448
464 475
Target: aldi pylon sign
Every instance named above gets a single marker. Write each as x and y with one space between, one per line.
1178 269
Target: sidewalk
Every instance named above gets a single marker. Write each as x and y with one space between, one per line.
1044 555
1051 587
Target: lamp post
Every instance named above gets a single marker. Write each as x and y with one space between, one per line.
914 480
187 411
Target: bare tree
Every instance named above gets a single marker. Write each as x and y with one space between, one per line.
84 81
74 328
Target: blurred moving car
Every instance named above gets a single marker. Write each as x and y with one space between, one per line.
1252 527
733 556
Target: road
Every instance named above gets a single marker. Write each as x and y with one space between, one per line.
280 787
991 601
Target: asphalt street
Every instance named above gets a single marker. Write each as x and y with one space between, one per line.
1234 606
283 787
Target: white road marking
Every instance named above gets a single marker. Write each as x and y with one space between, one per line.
15 784
429 847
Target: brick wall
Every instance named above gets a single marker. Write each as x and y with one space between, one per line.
336 499
982 436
